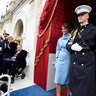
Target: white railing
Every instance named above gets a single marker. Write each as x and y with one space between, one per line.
8 83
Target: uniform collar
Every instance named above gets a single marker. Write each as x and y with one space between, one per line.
83 26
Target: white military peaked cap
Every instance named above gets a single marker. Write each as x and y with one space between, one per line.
82 9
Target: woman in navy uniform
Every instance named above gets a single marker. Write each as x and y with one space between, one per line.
82 45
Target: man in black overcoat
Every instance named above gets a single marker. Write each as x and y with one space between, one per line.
82 45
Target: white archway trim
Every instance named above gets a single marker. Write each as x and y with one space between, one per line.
21 15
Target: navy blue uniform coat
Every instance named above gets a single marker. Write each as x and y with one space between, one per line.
82 79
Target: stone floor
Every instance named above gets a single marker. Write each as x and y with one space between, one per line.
20 83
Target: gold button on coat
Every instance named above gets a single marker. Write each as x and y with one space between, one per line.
82 64
74 62
83 53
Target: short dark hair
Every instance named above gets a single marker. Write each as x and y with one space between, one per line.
65 25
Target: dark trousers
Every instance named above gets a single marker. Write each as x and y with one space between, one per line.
1 63
15 67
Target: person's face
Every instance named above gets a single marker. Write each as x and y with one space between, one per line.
19 48
10 39
83 18
65 30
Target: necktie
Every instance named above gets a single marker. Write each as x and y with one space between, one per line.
15 55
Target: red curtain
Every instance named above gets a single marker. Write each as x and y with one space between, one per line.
42 49
63 14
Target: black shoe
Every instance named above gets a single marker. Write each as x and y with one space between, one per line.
12 80
23 76
4 87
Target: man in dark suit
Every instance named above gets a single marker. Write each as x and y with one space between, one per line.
8 51
82 45
5 44
20 61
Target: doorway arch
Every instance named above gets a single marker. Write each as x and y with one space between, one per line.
19 31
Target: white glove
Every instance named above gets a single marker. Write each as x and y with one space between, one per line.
76 47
